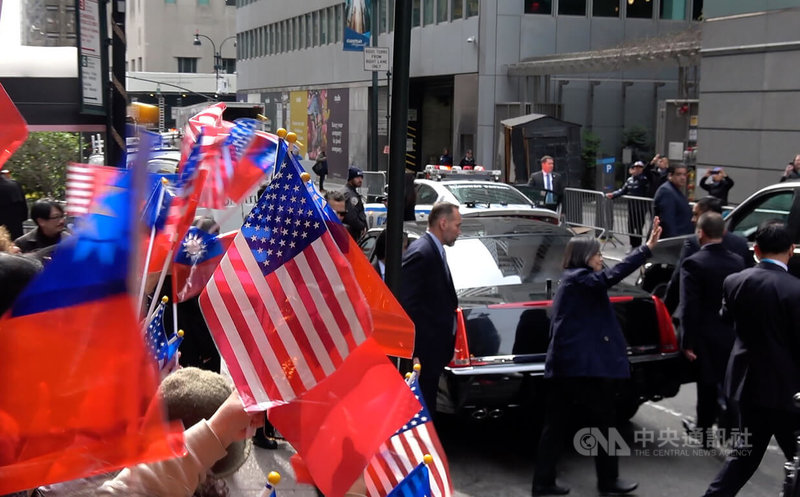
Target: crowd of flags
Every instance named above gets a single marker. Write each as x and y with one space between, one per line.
302 321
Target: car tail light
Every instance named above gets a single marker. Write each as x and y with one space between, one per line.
666 332
461 355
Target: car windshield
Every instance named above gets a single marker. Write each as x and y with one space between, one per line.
487 194
506 268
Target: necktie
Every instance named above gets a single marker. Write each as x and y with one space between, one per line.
548 185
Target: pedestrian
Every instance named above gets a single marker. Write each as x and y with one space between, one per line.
636 185
355 217
717 183
336 201
706 339
467 161
50 223
587 359
671 206
657 171
379 254
792 171
731 241
320 168
764 367
548 182
13 208
445 159
429 298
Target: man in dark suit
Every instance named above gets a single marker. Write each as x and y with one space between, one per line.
428 296
731 241
13 208
550 183
671 206
707 340
764 367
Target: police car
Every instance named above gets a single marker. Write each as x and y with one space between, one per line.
475 198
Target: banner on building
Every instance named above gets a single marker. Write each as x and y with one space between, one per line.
276 110
336 132
297 118
357 22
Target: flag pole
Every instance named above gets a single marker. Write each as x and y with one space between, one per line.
150 245
162 277
273 478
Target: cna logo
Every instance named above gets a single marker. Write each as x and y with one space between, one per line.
587 442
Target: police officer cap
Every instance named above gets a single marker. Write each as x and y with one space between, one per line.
353 172
638 163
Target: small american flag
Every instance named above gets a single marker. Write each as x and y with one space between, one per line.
284 306
399 455
211 117
162 348
85 183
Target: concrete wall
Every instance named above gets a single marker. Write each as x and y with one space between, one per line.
748 96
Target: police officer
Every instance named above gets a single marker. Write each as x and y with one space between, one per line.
355 218
637 186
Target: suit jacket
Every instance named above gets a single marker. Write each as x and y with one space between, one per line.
428 296
537 181
672 207
731 241
585 336
704 331
764 367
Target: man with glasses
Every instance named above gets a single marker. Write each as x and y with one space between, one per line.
50 222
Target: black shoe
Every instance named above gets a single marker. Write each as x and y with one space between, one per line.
263 441
553 489
617 487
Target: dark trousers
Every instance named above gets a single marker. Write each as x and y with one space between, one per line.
321 181
761 424
637 211
576 403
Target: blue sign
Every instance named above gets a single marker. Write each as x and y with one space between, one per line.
357 22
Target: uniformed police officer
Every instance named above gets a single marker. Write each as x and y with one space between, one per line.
637 186
355 218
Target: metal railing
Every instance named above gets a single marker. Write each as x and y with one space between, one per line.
373 185
585 208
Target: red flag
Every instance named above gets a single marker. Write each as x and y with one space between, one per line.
211 117
401 453
13 129
283 306
85 184
338 425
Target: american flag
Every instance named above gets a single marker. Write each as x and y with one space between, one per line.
284 306
162 348
399 455
85 183
210 117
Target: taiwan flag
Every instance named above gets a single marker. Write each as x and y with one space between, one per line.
197 258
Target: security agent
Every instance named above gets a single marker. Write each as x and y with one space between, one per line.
637 186
355 217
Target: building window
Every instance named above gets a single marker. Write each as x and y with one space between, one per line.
169 1
390 15
315 27
202 2
323 35
572 7
639 9
338 26
605 8
473 7
538 7
141 66
441 11
457 9
697 10
428 11
228 66
673 9
230 3
309 31
415 13
186 64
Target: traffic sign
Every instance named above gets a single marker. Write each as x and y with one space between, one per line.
376 59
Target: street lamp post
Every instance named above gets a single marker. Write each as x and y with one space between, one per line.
217 54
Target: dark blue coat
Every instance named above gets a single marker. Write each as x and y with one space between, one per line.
585 337
672 207
764 367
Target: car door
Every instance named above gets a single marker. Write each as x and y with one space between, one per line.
426 197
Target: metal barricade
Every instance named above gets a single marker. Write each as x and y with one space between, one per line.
374 185
586 208
630 216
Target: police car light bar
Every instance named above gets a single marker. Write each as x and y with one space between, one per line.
440 172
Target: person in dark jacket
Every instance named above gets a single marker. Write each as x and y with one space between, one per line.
706 339
548 182
636 185
764 367
429 298
671 206
792 171
731 241
50 223
717 183
468 160
656 171
13 208
355 217
587 358
320 168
